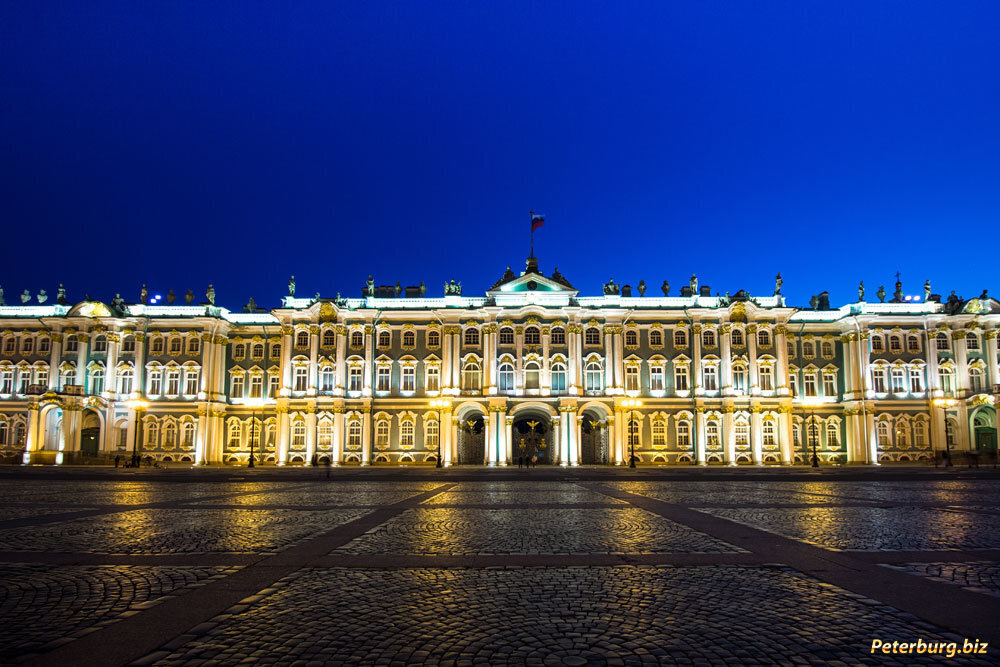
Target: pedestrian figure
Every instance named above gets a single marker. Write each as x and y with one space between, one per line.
534 461
118 460
520 461
315 460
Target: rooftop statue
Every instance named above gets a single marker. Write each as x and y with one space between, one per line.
927 290
42 296
861 291
778 282
370 285
291 286
399 289
693 284
143 295
210 295
61 296
2 302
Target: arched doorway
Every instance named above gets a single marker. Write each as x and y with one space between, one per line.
90 433
533 437
984 428
594 448
53 430
472 440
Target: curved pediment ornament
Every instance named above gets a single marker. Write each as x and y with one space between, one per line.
978 306
90 309
738 312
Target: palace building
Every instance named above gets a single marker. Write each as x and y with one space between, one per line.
530 369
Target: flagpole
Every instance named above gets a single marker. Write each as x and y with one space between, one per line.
531 224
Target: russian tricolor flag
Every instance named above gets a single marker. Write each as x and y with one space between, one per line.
537 221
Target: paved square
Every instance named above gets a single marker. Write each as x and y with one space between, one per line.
873 528
567 495
554 615
177 531
456 531
983 576
738 493
40 604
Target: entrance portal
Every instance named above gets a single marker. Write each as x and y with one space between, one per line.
533 438
984 428
593 444
90 434
472 441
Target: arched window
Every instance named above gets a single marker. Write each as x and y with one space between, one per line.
239 351
656 338
809 348
812 434
882 433
769 433
384 339
976 382
683 433
737 337
302 339
531 375
275 350
532 336
472 336
4 432
382 433
558 336
659 432
433 338
680 338
708 338
971 341
96 381
194 345
20 433
329 338
506 336
712 437
505 377
128 343
742 433
326 374
832 435
406 433
913 343
470 376
257 352
764 338
299 434
170 434
558 378
592 336
431 433
100 344
633 432
187 435
125 378
593 377
826 348
920 433
357 339
631 338
895 343
152 431
354 433
324 434
947 378
942 341
175 345
409 339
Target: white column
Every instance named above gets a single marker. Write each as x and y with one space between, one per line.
785 437
139 381
487 366
201 436
752 359
338 435
609 361
282 444
990 342
366 378
571 362
699 427
931 352
577 439
341 382
313 360
310 433
446 361
492 430
509 440
757 435
55 359
727 360
207 364
286 361
729 437
578 358
546 378
366 436
81 358
111 372
696 385
619 361
781 374
456 369
961 364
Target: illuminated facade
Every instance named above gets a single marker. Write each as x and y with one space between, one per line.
530 369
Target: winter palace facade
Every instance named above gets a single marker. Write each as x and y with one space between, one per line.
531 369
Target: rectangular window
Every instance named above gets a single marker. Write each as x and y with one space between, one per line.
433 377
409 378
829 384
631 378
916 381
810 380
29 345
191 383
301 378
156 383
712 434
238 386
793 382
256 386
382 433
558 379
656 378
680 378
711 378
382 378
354 379
7 382
273 384
72 344
324 435
766 378
898 379
173 383
299 434
326 379
742 434
878 381
44 345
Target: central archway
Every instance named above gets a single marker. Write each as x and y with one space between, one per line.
533 436
90 433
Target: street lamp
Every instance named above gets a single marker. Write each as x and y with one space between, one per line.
138 405
255 403
440 404
631 403
812 403
946 403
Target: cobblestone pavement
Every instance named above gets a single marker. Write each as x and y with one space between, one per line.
983 576
177 531
873 528
43 604
460 531
596 615
542 569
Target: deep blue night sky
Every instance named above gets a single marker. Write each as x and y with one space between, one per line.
182 143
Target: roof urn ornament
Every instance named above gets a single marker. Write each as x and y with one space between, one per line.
642 288
25 297
897 296
171 297
398 289
665 288
189 297
778 282
42 296
143 294
2 302
291 286
881 293
423 289
210 295
61 295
